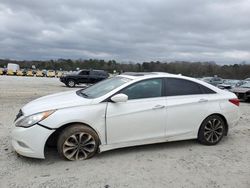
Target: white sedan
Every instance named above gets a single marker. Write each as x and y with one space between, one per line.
126 110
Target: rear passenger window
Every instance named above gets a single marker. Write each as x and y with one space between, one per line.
175 87
98 73
101 73
206 90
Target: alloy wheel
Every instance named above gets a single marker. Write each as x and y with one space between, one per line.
79 146
213 130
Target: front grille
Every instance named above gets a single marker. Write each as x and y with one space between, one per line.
20 113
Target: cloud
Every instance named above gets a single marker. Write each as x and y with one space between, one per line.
141 30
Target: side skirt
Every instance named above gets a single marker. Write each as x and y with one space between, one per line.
107 147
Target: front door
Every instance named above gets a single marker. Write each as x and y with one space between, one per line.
142 117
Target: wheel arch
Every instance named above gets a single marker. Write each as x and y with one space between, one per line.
72 78
52 139
223 118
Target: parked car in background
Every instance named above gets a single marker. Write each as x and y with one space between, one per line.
84 76
51 73
59 74
39 73
123 111
4 70
1 71
29 73
213 80
10 72
44 72
34 71
243 91
229 84
20 73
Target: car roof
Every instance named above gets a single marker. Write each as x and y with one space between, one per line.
97 70
143 75
137 76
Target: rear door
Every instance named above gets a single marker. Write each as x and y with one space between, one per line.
187 106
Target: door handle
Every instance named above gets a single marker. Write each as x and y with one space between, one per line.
203 100
158 107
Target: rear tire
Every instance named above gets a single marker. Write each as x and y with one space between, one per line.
77 142
71 83
211 130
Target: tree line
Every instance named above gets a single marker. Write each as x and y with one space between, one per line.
193 69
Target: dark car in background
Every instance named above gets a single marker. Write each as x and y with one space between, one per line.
243 91
84 77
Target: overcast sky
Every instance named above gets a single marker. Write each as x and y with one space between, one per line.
126 30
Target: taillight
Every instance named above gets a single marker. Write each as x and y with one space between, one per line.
235 101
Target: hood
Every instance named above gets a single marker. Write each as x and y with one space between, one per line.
241 90
55 101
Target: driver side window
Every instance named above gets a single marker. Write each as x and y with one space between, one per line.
144 89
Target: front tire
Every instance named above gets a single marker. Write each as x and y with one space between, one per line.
212 130
71 83
77 142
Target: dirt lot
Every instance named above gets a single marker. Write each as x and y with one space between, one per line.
176 164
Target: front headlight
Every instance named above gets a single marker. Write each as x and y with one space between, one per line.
33 119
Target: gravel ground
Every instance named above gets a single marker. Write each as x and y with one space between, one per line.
175 164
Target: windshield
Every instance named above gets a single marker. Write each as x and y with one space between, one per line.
103 87
246 85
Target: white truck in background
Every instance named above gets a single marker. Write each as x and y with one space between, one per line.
12 68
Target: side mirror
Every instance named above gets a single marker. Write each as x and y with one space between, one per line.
119 98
